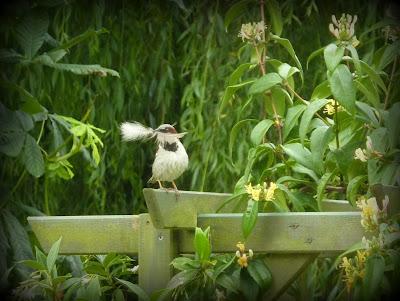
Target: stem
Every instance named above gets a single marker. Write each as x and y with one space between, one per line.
390 83
337 134
261 63
306 103
337 125
264 49
46 196
260 60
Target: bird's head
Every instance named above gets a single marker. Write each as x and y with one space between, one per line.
167 132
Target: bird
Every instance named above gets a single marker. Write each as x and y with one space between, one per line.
171 159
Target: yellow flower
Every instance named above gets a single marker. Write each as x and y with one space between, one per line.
241 247
249 188
360 154
371 214
269 195
255 195
362 256
242 261
330 107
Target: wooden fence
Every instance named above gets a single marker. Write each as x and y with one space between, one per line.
291 240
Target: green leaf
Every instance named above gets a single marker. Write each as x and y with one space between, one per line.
32 157
238 73
249 217
234 133
321 188
93 290
265 83
311 109
248 286
319 141
227 282
182 263
260 273
76 68
275 15
57 55
34 264
134 288
323 90
392 124
260 130
374 270
373 75
229 92
25 120
304 170
286 71
18 240
289 48
389 54
95 154
355 58
314 54
30 32
82 37
118 295
352 188
369 91
292 116
10 56
53 254
202 244
341 82
370 113
333 56
234 11
182 278
299 153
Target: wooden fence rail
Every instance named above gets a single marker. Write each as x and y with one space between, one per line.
292 240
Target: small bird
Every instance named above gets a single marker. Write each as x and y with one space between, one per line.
171 159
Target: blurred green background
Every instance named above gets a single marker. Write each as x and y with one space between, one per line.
174 59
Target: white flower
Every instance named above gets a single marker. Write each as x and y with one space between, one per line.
360 154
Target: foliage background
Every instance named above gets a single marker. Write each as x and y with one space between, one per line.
174 58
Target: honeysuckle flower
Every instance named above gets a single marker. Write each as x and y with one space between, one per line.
261 193
361 155
329 108
241 247
343 29
242 261
371 215
353 268
252 32
269 196
251 254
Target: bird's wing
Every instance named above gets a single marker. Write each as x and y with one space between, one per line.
132 131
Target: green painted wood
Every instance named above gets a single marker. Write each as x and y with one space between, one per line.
156 251
294 232
88 234
285 268
170 210
338 206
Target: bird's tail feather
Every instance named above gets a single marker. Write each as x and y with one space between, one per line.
132 131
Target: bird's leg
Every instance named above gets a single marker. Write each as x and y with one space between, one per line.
159 183
176 189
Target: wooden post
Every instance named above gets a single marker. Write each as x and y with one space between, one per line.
156 251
